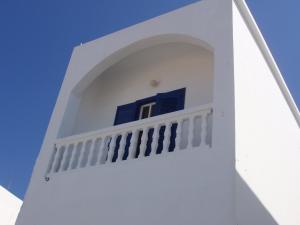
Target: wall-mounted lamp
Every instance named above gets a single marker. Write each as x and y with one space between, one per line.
154 83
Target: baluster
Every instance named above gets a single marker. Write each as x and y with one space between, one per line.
91 152
69 153
73 155
58 159
122 146
144 140
112 146
133 143
167 136
155 139
77 155
63 160
52 160
178 135
81 153
55 159
191 132
204 129
86 153
104 149
95 151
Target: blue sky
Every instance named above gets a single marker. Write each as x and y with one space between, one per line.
37 38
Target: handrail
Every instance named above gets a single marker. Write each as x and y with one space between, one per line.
126 126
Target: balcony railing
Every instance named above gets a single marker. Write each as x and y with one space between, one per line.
160 135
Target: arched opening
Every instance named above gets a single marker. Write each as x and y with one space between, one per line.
142 70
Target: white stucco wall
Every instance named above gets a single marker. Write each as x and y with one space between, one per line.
9 207
174 65
170 189
267 139
190 187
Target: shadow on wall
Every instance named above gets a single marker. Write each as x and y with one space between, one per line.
250 210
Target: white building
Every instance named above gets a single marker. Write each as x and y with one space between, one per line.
9 207
222 146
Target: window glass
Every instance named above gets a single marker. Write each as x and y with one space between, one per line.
152 110
145 112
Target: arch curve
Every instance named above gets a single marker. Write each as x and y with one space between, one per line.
73 110
130 49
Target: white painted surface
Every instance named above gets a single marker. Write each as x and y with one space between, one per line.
175 189
194 127
267 139
175 65
261 43
9 207
169 189
253 120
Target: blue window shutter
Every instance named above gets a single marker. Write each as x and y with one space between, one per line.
126 113
165 103
170 101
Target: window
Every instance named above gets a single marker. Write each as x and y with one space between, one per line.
147 110
159 104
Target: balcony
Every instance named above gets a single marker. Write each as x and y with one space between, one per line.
158 136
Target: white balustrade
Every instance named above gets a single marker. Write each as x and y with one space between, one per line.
91 151
104 149
155 138
68 159
58 159
77 154
85 153
178 135
133 144
103 146
204 118
52 159
122 146
73 147
191 131
144 140
167 136
63 160
112 146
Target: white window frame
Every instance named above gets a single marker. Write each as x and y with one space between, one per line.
150 105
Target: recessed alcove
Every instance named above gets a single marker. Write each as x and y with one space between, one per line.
172 64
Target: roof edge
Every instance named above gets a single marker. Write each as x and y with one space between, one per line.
11 195
255 31
135 24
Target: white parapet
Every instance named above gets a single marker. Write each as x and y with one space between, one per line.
9 207
150 137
